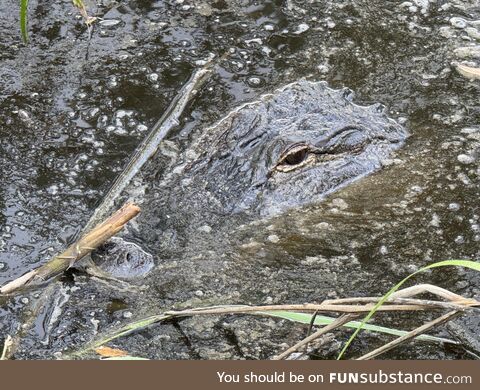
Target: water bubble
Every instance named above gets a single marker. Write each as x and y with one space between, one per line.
467 52
465 159
330 23
92 113
24 116
109 22
324 69
112 82
205 229
253 40
254 81
473 33
454 206
102 121
273 238
238 65
458 22
119 130
268 27
52 190
435 222
301 28
153 77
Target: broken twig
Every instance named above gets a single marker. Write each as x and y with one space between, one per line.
90 241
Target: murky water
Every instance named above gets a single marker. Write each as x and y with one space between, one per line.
72 109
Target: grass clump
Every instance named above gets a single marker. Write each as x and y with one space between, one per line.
458 263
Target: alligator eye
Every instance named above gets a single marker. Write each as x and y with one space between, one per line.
295 154
296 158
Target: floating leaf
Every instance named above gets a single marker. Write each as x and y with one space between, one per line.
126 358
110 352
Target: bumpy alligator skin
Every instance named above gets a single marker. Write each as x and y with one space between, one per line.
291 148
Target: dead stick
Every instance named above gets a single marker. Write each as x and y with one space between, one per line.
466 304
311 307
410 335
90 241
334 325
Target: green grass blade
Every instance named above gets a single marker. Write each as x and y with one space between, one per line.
124 330
23 20
305 318
458 263
131 327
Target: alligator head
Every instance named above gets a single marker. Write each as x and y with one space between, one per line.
291 148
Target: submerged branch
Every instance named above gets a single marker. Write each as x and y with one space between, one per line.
169 120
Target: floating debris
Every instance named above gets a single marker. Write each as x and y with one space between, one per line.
109 22
468 71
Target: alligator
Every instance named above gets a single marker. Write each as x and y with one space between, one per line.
197 241
289 149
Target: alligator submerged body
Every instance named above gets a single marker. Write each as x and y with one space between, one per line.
289 149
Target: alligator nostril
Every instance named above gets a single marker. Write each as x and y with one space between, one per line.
379 107
348 94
